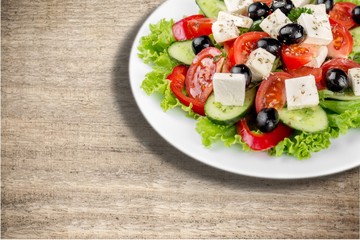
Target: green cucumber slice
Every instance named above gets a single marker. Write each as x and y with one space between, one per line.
211 8
182 51
227 115
312 119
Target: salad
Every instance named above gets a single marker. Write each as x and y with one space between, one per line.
275 76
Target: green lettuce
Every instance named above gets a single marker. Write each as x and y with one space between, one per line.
340 106
155 44
211 133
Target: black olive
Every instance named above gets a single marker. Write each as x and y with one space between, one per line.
356 14
258 10
329 4
200 43
336 80
267 119
242 69
291 33
284 5
271 45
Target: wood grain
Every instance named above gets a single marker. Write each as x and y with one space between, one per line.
80 161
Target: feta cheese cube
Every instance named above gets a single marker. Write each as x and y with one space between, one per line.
224 31
237 6
301 92
260 63
319 9
319 57
317 28
239 20
229 88
272 23
300 3
354 79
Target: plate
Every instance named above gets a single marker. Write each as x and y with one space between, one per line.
180 132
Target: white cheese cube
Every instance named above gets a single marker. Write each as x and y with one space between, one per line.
319 9
272 23
300 3
260 63
317 28
237 6
229 88
319 57
239 20
354 79
301 92
224 31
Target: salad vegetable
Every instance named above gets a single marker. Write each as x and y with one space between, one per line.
275 76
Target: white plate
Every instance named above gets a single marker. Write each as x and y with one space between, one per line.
180 131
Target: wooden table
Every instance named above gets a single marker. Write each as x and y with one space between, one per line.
80 161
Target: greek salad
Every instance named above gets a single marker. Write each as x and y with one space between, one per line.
281 76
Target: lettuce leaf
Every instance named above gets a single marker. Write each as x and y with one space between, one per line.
211 133
155 44
302 144
340 106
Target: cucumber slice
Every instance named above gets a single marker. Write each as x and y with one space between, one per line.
220 114
211 8
182 51
312 119
344 96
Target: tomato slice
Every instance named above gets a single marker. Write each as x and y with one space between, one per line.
298 55
246 43
199 76
343 42
263 141
341 63
181 30
177 85
271 92
200 26
341 13
230 59
304 71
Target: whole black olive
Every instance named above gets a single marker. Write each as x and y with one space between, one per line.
284 5
356 14
258 10
336 80
291 33
243 69
271 45
267 119
329 4
199 43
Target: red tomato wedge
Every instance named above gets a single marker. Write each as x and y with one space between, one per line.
246 43
304 71
341 63
181 30
230 59
177 85
199 76
341 13
298 55
200 26
343 42
271 92
263 141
